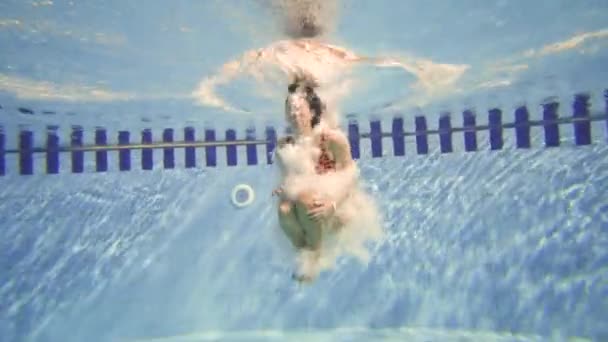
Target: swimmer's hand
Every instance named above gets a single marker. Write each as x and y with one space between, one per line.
321 209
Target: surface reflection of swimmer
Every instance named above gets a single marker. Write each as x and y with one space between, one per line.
318 175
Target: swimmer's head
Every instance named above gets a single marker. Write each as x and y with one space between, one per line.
307 19
306 88
304 27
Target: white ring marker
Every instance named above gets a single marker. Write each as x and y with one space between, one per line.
250 195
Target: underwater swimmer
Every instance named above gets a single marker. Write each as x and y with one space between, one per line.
318 173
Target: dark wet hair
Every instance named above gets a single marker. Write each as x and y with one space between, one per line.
292 88
314 103
313 100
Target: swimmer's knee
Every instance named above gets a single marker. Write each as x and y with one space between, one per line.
285 208
306 198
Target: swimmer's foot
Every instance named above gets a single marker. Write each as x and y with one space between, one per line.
307 266
302 278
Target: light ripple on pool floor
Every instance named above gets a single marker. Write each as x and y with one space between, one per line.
507 241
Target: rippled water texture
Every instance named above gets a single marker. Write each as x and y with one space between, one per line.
511 242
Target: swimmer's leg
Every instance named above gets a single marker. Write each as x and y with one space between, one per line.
312 229
293 230
290 225
309 257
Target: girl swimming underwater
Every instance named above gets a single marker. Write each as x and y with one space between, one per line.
320 198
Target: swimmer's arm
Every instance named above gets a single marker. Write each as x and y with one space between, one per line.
340 147
342 152
281 142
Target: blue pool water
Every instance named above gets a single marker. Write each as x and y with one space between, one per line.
507 245
508 242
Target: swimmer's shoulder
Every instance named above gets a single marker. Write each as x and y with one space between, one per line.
335 136
339 144
286 140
